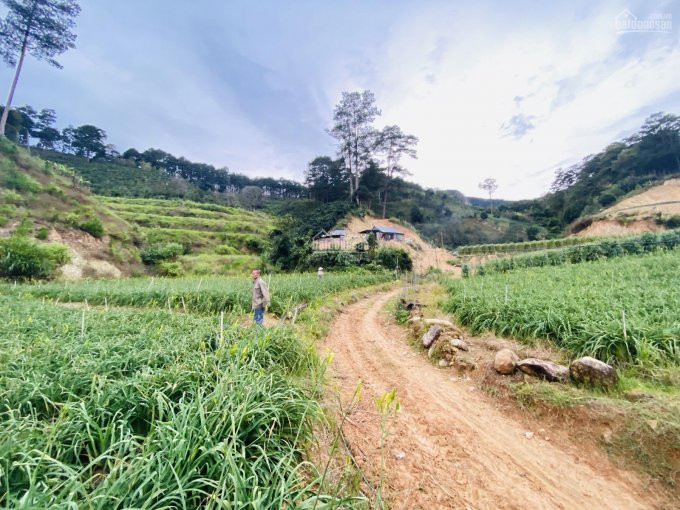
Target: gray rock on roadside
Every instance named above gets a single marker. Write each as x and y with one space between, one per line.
593 372
505 361
439 322
458 344
431 335
544 369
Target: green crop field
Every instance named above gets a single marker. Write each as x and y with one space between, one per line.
622 308
200 295
121 409
110 407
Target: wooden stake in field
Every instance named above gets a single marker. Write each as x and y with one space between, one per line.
623 319
82 325
184 306
221 328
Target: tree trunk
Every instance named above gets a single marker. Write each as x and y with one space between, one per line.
384 204
10 96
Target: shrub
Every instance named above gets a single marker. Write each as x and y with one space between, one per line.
42 233
254 244
394 258
606 199
170 268
93 227
22 182
159 252
21 258
11 197
225 249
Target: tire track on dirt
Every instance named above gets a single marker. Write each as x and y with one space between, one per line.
460 451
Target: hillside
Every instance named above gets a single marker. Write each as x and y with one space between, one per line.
215 239
423 254
113 237
49 202
650 209
125 178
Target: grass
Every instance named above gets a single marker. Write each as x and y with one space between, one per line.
145 408
619 309
114 409
200 295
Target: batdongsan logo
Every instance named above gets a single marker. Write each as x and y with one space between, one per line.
626 21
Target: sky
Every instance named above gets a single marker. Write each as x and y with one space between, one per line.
509 90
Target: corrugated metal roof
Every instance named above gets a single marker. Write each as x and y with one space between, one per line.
337 232
382 230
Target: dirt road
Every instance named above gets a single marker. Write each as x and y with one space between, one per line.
449 447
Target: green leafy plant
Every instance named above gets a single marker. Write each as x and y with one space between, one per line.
23 258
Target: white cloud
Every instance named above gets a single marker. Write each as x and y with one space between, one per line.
576 87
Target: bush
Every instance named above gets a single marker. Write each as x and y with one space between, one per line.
606 199
22 258
42 233
21 182
93 227
159 252
225 249
254 244
394 258
170 268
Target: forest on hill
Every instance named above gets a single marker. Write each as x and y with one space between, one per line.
378 184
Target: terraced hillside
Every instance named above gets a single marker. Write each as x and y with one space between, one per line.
215 239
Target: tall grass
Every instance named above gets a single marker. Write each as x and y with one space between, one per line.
202 295
618 309
125 409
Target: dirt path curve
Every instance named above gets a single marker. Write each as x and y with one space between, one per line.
460 451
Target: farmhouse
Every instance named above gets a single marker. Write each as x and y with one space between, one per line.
383 233
329 240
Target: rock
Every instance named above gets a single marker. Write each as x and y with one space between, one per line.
431 335
439 322
652 424
505 361
464 362
529 435
592 372
607 436
415 318
544 369
458 344
430 351
443 363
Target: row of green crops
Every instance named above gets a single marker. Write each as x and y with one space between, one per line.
645 243
617 309
543 244
130 409
201 295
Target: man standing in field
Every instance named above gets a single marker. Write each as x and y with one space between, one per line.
260 298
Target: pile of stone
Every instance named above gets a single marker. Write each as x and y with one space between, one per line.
444 342
585 371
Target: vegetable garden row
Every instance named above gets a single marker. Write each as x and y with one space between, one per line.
645 243
622 308
200 295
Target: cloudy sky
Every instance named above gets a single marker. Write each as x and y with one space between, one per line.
511 90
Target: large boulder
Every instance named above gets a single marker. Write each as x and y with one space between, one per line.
544 369
431 335
505 361
593 372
